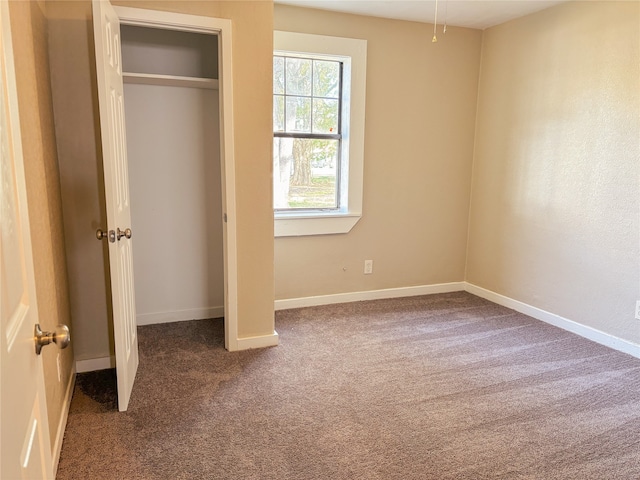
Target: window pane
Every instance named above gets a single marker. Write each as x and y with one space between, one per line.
278 75
326 79
325 116
298 114
305 173
298 76
278 113
282 163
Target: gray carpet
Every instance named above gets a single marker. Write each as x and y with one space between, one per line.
444 386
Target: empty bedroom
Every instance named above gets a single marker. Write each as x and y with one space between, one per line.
377 240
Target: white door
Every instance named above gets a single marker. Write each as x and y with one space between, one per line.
106 30
24 442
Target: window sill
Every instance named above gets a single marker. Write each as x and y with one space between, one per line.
301 224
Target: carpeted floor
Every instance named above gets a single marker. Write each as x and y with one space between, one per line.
445 386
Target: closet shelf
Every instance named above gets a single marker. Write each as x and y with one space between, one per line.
170 80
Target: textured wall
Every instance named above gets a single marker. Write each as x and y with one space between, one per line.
29 31
555 201
76 110
420 117
76 113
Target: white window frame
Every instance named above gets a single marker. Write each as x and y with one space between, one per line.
353 54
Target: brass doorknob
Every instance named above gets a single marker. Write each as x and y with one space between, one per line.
60 337
124 233
110 235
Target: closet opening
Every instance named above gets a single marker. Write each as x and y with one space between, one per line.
176 177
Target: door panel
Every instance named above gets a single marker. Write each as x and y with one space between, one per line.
114 156
24 441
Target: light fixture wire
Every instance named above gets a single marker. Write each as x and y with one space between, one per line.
446 10
435 24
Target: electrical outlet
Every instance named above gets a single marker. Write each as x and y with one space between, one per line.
638 309
368 267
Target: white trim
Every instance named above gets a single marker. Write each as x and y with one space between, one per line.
260 341
62 424
287 225
94 364
227 153
285 304
167 20
585 331
179 315
222 28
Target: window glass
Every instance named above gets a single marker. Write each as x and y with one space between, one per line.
307 137
278 113
326 79
278 75
325 115
298 76
298 114
310 171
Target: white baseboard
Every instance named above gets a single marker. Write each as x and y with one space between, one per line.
584 331
93 364
180 315
369 295
590 333
260 341
62 424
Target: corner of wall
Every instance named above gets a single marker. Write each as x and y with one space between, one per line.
473 160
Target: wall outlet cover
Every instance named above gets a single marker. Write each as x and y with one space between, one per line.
368 267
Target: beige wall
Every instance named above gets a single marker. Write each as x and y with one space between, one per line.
74 84
555 202
420 117
29 31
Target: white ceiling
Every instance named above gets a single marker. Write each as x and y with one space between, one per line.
462 13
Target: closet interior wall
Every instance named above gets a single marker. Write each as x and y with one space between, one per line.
172 119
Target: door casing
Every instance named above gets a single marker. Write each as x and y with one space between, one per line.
221 28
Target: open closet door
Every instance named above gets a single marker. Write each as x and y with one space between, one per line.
106 30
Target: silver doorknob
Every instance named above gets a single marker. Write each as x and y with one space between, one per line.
60 337
111 235
124 233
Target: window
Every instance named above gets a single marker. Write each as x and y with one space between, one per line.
318 124
307 139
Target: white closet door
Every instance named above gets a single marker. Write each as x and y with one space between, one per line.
106 29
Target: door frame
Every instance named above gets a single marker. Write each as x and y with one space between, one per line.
222 29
